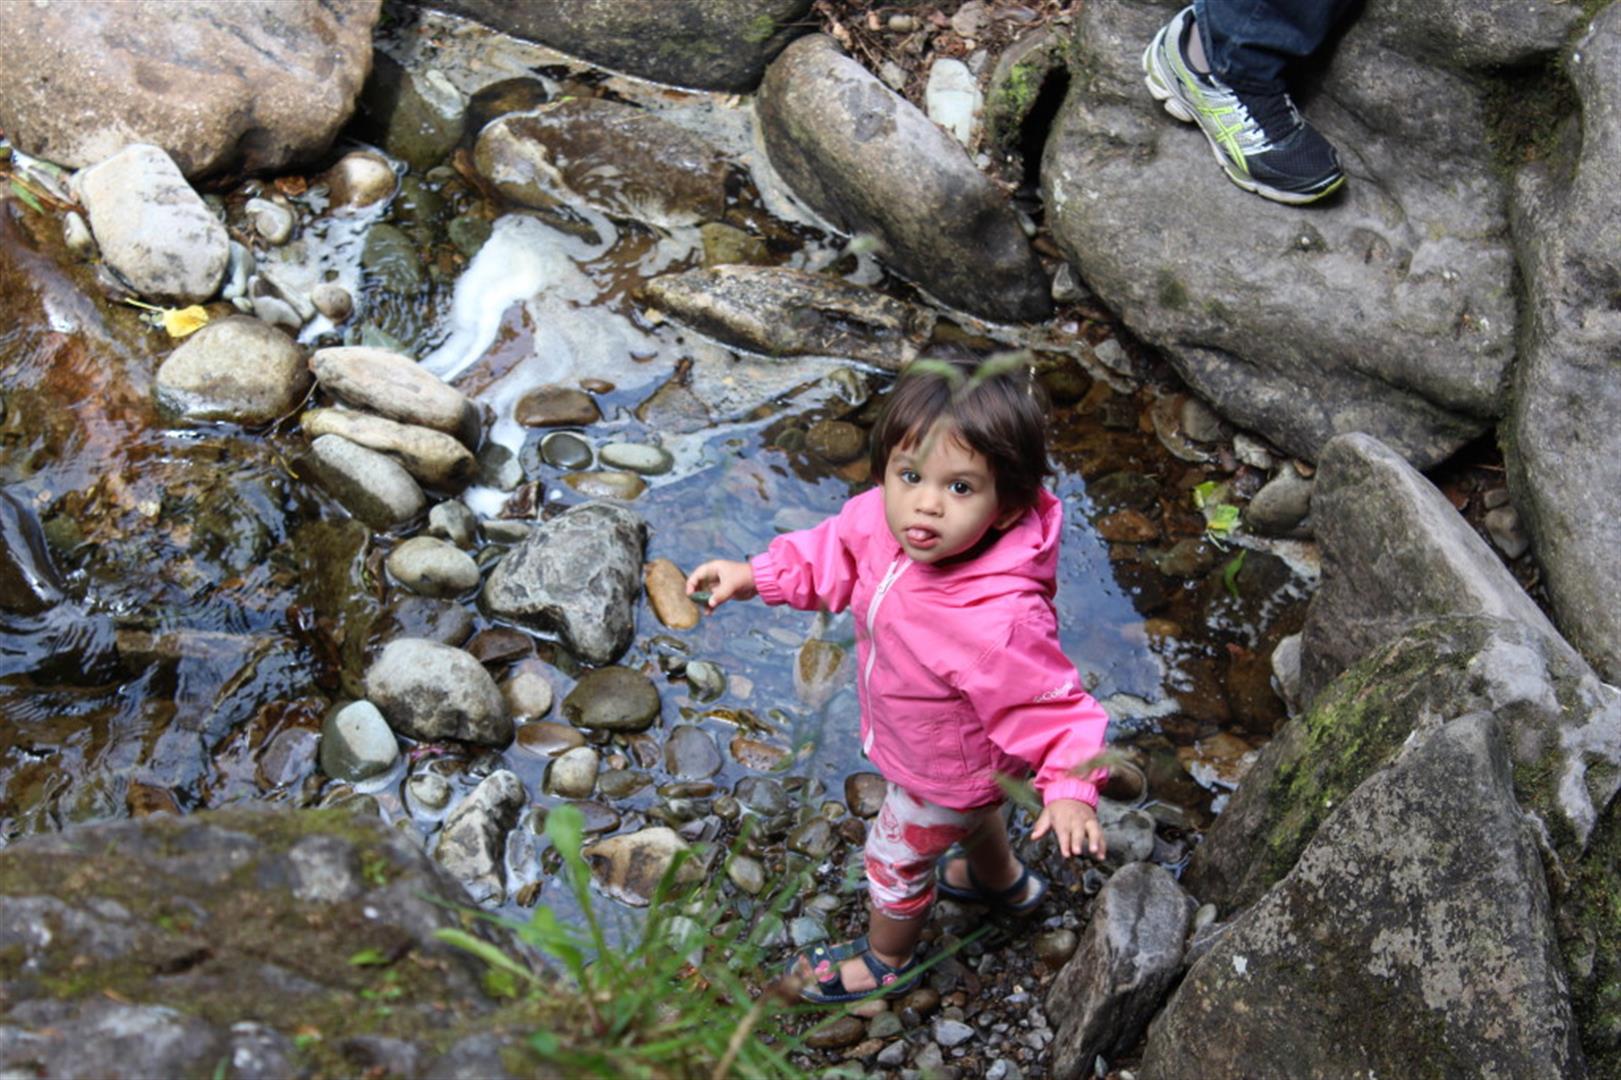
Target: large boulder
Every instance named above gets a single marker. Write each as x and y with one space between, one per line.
1378 519
1413 938
167 945
576 576
869 162
1390 309
250 87
713 45
1563 444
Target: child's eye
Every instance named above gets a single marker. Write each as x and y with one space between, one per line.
909 476
961 487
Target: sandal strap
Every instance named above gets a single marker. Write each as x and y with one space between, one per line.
1000 895
884 975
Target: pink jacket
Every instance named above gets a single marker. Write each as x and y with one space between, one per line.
961 677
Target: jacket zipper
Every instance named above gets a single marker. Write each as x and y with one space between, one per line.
896 569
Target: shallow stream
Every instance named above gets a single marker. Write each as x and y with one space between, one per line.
215 602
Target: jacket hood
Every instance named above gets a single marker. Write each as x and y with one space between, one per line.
1023 558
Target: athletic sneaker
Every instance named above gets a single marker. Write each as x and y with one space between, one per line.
1261 140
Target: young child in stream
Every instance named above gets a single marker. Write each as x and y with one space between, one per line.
950 566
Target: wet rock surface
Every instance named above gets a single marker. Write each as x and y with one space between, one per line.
619 159
154 894
577 576
152 227
432 691
781 313
237 369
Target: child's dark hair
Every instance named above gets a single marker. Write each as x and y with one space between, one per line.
997 407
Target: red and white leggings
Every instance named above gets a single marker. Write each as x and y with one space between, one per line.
905 839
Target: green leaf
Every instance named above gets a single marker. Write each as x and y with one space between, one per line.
368 958
1229 573
543 1043
1205 493
26 196
1222 519
500 983
482 949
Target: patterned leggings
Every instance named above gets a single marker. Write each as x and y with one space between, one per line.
906 838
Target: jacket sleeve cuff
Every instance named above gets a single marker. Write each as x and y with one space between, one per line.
1071 787
765 578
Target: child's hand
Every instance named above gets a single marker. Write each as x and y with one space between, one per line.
1075 824
725 580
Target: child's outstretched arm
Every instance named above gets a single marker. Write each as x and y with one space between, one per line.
725 580
1076 827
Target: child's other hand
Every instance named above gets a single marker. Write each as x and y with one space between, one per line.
1076 827
725 580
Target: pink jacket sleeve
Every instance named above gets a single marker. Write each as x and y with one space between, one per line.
813 568
1029 698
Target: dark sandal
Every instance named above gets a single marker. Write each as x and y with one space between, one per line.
829 989
1001 899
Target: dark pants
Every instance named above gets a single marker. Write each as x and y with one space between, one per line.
1250 42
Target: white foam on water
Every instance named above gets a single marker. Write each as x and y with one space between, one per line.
523 258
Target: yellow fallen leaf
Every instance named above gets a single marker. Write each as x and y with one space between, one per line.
183 321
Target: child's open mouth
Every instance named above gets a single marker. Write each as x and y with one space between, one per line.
918 536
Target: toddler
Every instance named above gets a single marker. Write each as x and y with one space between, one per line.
950 565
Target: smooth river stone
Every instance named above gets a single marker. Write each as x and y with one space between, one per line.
356 742
432 567
548 738
836 441
606 485
573 774
667 592
565 450
373 487
613 698
690 753
557 406
397 387
757 755
528 692
638 458
433 457
816 670
864 793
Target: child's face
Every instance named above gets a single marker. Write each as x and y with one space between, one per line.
940 496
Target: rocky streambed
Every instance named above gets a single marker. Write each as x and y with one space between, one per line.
398 535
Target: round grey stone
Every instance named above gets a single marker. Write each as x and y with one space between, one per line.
642 458
747 874
356 742
691 754
565 450
429 790
814 838
574 774
433 567
949 1033
431 691
613 698
333 301
373 487
452 520
235 369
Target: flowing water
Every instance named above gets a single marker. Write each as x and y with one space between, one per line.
205 603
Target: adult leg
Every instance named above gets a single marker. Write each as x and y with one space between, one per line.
1249 43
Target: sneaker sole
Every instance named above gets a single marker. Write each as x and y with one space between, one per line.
1159 85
